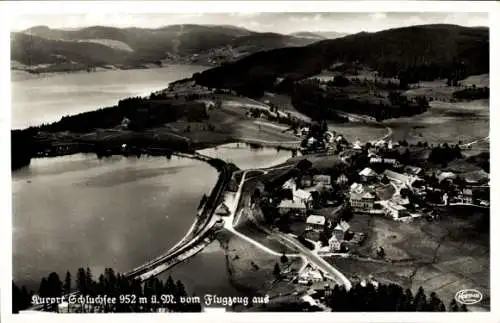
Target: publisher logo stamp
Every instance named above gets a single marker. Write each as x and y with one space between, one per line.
468 296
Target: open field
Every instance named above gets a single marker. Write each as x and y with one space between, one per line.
230 123
284 103
251 230
443 256
250 268
361 131
444 122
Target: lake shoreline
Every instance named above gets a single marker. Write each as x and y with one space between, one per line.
32 75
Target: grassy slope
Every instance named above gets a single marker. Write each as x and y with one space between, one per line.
459 242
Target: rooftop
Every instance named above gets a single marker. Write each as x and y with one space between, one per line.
445 175
400 177
413 169
357 188
290 204
290 183
315 219
368 195
394 206
344 226
368 172
302 194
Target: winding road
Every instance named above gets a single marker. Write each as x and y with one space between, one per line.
307 255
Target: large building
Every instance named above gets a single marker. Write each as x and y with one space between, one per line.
315 222
395 211
361 200
302 196
401 178
297 207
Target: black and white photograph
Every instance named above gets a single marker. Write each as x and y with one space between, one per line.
245 162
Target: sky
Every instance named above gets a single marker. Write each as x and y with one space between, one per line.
284 23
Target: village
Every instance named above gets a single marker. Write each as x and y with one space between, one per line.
315 204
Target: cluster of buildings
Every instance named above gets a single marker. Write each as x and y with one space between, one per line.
302 198
320 141
381 193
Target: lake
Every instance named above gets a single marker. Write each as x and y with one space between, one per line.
78 211
46 99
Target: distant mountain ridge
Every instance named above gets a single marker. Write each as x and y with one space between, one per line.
320 35
135 47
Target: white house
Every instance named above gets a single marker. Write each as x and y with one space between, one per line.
380 160
315 222
334 244
401 178
340 230
304 131
342 180
290 184
302 196
395 211
361 201
357 145
311 141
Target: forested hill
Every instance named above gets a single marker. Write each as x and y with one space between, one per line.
415 53
134 47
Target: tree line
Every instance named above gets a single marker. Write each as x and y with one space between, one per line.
111 284
386 298
310 99
472 93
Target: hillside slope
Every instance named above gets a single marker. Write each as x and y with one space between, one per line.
414 53
100 45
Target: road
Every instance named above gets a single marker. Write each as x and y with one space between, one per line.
212 202
180 251
319 262
306 254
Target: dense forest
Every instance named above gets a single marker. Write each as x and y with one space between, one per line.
141 112
425 52
110 284
386 298
367 298
472 93
311 100
101 46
